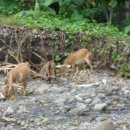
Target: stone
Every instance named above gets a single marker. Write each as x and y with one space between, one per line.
104 81
127 92
106 125
55 89
2 96
60 101
88 101
102 95
8 112
42 89
96 100
109 101
100 107
35 31
78 110
78 98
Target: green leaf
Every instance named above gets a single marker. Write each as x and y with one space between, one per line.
76 16
37 7
49 2
113 3
127 29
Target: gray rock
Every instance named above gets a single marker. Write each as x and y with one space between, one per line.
42 89
55 89
99 107
109 101
102 118
88 101
102 95
78 98
96 100
116 98
127 92
83 95
60 101
78 111
116 88
106 125
39 128
8 112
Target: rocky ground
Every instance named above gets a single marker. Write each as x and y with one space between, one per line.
66 105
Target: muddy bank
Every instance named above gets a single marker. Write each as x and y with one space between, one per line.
18 44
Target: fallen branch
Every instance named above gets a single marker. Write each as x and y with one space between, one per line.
11 66
59 66
89 85
38 75
7 67
8 119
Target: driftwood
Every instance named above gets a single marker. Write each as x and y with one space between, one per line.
8 119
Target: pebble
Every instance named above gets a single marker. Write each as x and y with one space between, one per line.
65 106
9 111
106 125
99 107
88 101
79 110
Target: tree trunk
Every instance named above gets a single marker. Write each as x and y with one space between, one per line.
127 13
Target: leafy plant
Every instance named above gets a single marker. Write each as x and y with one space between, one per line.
124 70
127 29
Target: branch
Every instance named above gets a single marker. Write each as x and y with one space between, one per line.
39 56
13 56
38 75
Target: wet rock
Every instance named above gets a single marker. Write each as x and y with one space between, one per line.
100 107
106 125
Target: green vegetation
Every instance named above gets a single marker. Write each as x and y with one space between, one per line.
109 19
45 20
